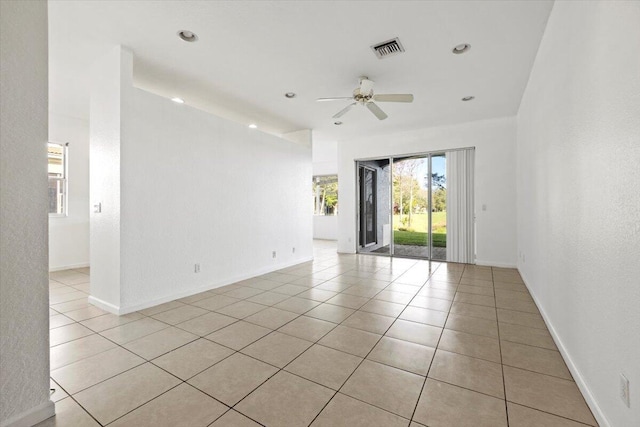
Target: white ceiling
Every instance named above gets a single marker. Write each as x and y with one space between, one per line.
250 53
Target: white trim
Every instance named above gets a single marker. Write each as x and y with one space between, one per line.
130 309
577 376
350 252
104 305
32 416
68 267
495 264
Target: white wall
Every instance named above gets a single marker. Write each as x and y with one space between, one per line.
325 157
195 188
24 292
494 181
579 196
69 236
325 227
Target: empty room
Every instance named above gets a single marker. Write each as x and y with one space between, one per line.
320 213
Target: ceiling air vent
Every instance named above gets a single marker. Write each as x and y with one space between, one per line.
388 48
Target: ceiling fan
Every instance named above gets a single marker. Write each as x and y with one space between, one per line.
364 96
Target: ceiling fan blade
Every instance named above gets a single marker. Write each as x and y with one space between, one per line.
366 86
376 110
344 111
334 99
393 97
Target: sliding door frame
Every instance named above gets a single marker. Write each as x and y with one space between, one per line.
425 154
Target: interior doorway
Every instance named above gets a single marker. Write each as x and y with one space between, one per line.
417 206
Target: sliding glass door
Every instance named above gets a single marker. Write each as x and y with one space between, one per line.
407 207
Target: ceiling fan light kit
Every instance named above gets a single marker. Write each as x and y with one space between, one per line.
364 96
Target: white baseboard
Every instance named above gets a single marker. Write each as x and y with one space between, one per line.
104 305
32 416
68 267
577 376
495 264
130 309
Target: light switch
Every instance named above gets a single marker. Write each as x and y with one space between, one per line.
484 207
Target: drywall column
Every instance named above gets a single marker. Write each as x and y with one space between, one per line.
111 85
24 292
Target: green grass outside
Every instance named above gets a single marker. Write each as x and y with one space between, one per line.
419 222
416 238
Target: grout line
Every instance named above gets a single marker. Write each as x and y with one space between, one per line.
317 343
504 383
424 384
358 283
549 413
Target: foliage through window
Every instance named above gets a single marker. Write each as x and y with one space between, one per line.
325 195
57 168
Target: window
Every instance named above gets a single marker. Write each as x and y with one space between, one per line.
57 156
325 195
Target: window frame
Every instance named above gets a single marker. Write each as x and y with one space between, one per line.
64 180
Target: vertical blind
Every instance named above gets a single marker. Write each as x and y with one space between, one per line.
460 206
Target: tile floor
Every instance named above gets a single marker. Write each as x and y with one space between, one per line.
344 340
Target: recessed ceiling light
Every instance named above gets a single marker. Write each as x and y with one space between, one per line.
468 98
178 100
187 36
461 48
253 126
338 123
289 95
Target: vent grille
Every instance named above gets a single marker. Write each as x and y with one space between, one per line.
389 48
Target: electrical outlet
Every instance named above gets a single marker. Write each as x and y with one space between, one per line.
624 390
196 268
273 254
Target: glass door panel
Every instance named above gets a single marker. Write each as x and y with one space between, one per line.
411 206
368 203
374 223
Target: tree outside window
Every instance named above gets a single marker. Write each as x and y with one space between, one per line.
325 195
